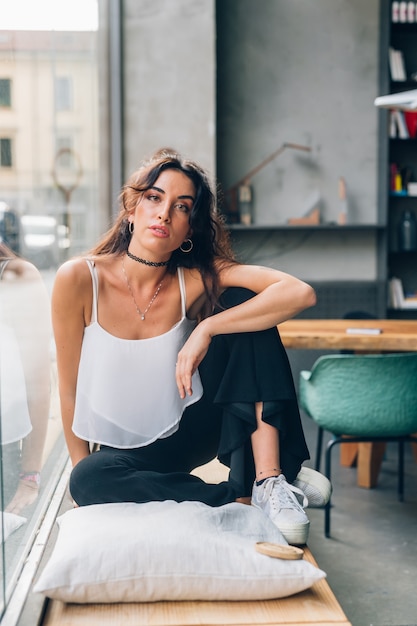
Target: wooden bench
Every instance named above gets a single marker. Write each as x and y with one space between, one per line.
316 605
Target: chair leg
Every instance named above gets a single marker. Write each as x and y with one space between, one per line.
328 473
401 470
319 446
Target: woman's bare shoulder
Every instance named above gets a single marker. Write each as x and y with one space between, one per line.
194 283
73 277
73 270
76 272
72 290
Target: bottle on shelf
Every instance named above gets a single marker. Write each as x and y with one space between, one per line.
407 232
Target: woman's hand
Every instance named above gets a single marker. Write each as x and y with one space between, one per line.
190 357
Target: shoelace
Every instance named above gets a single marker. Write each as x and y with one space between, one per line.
283 497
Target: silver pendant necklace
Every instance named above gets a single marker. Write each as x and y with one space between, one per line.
138 311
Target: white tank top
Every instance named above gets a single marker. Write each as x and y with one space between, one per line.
126 395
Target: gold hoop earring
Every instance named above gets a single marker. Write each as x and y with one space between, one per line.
131 227
190 246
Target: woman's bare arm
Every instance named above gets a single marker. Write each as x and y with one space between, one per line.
279 296
68 320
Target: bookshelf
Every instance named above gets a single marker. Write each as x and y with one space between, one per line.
401 141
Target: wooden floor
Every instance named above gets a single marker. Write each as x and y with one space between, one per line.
317 606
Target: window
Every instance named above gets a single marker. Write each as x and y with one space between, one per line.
63 151
45 223
5 92
5 152
63 93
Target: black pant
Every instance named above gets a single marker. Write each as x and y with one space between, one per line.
238 371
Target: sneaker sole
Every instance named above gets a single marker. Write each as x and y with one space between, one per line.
308 476
296 535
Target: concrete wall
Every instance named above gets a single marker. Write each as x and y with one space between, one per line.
306 72
314 256
169 77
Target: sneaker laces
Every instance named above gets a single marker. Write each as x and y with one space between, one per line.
284 497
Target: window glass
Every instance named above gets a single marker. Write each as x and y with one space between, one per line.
5 152
64 151
49 211
63 93
5 92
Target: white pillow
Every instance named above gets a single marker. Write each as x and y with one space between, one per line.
131 552
11 522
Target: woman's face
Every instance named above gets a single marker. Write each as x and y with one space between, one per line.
162 214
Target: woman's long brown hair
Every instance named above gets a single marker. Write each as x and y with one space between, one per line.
210 238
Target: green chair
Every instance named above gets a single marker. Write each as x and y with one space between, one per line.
368 397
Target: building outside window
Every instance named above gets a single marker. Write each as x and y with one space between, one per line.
5 92
64 150
63 93
5 152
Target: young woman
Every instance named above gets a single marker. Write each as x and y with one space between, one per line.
168 355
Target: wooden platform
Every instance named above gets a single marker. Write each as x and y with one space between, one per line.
317 606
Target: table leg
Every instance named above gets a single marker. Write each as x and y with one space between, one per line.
348 453
370 456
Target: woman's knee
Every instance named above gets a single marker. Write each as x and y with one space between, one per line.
77 479
232 297
86 478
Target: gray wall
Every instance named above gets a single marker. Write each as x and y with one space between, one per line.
306 72
314 256
169 78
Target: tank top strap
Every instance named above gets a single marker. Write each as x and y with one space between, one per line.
94 278
3 265
181 281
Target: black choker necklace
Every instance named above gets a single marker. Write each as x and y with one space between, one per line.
145 262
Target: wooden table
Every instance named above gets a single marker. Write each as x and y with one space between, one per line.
343 334
395 336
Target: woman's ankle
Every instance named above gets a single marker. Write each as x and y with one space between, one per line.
262 476
244 500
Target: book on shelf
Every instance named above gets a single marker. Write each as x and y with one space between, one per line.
392 125
397 299
411 122
398 125
397 65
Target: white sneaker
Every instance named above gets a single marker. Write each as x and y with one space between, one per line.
277 499
315 486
